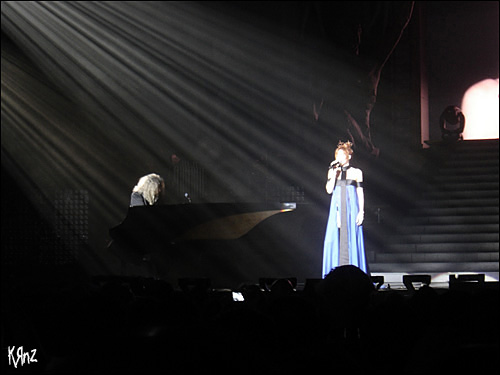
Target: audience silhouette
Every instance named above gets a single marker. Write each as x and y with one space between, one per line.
132 324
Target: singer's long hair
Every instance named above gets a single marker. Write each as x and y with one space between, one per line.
345 146
149 187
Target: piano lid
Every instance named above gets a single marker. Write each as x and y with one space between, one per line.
229 227
165 224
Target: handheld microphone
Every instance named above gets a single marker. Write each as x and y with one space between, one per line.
188 198
334 164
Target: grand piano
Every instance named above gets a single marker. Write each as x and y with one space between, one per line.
151 228
230 243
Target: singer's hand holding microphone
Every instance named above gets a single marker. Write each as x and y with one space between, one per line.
334 164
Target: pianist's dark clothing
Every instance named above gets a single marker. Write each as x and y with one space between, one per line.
136 199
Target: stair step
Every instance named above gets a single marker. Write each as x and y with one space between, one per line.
432 267
442 238
473 146
463 186
465 202
451 219
460 194
436 257
448 229
472 170
470 164
491 177
441 247
470 153
454 211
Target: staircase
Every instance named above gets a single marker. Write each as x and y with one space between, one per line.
453 226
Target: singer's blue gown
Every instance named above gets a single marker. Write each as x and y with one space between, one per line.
355 233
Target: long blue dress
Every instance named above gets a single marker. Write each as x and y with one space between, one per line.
356 249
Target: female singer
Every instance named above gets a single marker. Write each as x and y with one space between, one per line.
344 242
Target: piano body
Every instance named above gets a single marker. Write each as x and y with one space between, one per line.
149 228
230 243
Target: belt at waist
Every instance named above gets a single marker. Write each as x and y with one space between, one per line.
349 182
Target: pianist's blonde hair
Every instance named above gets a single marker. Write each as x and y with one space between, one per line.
149 187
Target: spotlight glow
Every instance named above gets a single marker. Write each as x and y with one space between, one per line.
96 94
480 107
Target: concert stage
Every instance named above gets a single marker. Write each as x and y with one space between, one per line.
280 244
